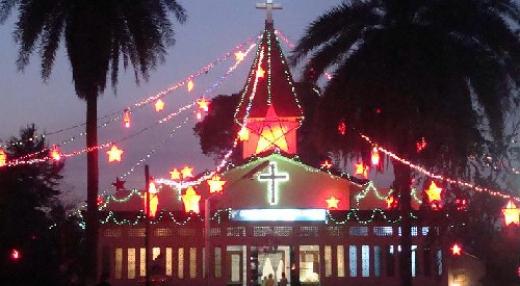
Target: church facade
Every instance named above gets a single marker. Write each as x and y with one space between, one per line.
274 215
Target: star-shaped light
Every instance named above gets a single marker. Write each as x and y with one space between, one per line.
187 172
511 214
191 85
191 200
159 105
332 202
326 164
361 169
175 174
391 202
456 249
203 104
434 193
114 154
3 158
239 56
55 153
216 185
243 134
260 72
119 184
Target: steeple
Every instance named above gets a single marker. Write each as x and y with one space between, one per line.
269 109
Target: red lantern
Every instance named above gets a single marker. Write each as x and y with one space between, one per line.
374 156
126 118
342 127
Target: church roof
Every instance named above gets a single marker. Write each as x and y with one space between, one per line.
275 88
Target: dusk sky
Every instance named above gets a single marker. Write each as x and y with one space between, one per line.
213 28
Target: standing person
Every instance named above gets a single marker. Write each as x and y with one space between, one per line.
270 281
283 280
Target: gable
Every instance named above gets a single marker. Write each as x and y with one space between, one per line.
281 183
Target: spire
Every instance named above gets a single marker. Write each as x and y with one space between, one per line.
269 83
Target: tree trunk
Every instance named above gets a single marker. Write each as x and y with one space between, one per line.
92 190
402 175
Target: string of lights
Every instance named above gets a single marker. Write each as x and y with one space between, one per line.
426 172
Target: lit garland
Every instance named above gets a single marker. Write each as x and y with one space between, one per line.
432 175
353 214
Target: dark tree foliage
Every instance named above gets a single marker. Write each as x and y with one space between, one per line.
97 35
444 70
29 205
218 129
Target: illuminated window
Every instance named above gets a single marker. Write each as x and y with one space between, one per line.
131 263
377 261
309 263
383 230
352 260
119 263
193 262
235 267
142 262
365 261
341 260
218 262
358 231
156 251
169 261
414 261
414 231
438 262
390 261
180 260
328 260
425 230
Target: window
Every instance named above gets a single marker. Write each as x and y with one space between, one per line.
235 267
328 260
169 261
309 263
414 231
414 260
180 260
358 231
193 262
390 261
340 250
365 261
383 230
377 261
119 263
218 262
131 263
156 251
425 230
352 260
142 262
438 262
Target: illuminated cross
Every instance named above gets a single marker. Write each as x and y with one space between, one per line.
273 178
269 6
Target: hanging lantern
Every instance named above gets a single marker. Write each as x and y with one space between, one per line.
216 185
511 214
374 156
203 104
191 85
55 153
191 201
126 118
421 144
159 105
3 158
342 127
243 134
114 154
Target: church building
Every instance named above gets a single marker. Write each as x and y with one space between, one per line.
272 215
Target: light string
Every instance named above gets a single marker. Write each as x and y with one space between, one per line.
436 176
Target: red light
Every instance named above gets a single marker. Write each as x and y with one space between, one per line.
456 249
15 254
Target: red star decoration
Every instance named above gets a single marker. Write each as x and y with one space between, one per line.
260 73
326 165
119 184
175 174
456 249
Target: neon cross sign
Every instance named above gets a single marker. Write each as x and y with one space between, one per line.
273 178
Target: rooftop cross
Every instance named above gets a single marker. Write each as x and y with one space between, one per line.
273 178
269 6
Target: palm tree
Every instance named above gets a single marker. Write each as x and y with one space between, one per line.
97 34
447 71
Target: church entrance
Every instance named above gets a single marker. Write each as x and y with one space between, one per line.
272 261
